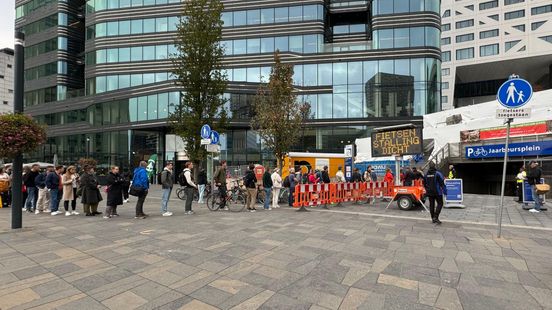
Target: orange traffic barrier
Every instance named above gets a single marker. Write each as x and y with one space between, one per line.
320 194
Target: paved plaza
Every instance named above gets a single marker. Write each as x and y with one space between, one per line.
351 257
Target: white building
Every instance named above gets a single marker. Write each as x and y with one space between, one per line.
484 41
6 80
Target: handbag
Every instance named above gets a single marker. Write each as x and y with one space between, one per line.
542 188
136 190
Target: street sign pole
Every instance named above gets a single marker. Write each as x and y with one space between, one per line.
501 208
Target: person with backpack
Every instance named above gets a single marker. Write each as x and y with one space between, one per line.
434 183
115 182
166 186
139 188
190 187
267 185
5 184
325 175
43 202
32 190
250 182
219 179
276 187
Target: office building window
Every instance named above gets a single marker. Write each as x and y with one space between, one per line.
509 45
446 13
514 14
470 7
508 2
445 71
444 99
541 9
536 25
547 38
445 41
445 85
464 53
488 34
488 50
519 27
495 16
445 27
464 38
464 24
445 56
488 5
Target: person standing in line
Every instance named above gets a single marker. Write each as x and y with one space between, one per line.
292 182
201 184
26 171
69 181
219 179
126 185
533 178
91 195
250 182
276 187
167 181
115 183
325 175
356 177
267 184
140 181
408 177
417 173
520 177
43 202
339 176
55 186
5 184
434 183
388 178
189 187
452 172
32 190
313 179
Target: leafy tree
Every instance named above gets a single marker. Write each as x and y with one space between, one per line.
197 65
278 116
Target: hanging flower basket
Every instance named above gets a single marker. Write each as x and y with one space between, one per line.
19 134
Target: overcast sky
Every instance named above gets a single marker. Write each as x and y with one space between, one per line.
7 18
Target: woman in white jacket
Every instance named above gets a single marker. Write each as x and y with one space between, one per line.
276 186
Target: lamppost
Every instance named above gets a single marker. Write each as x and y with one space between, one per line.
17 166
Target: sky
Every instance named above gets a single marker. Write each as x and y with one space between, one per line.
7 18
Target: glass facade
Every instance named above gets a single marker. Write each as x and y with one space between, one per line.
381 7
407 37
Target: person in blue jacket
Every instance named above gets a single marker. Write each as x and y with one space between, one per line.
434 183
140 181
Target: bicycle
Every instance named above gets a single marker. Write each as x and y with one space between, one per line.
181 193
235 200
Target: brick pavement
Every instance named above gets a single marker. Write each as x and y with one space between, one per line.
277 259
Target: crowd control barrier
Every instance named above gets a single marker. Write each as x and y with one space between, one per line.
306 195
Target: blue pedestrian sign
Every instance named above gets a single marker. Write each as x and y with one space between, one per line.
215 138
205 131
514 93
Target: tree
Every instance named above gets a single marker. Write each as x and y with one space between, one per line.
19 133
278 116
197 65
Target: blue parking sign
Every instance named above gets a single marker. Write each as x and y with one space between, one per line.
514 93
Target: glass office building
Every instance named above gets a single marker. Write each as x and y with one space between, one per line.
97 71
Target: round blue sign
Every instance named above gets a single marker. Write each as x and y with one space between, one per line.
215 138
514 93
206 131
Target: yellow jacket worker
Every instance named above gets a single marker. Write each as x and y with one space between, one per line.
520 177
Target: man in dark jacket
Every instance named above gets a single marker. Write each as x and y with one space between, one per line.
167 182
356 176
32 190
267 184
435 188
250 181
325 175
534 175
54 185
219 179
408 177
43 202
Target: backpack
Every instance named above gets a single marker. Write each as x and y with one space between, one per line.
182 179
159 178
4 186
286 182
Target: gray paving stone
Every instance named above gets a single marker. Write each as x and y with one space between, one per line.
23 274
279 301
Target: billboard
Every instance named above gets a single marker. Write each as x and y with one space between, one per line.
526 129
536 148
397 142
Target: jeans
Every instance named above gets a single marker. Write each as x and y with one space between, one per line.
275 197
201 188
435 213
189 198
165 199
140 203
32 197
290 197
54 199
268 192
536 197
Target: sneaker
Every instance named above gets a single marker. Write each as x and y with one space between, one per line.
268 209
106 217
141 217
252 210
125 201
67 213
116 214
225 208
89 214
167 214
96 213
189 213
437 222
74 213
37 212
534 211
47 211
55 213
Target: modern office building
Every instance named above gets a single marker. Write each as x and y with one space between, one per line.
483 42
98 71
6 80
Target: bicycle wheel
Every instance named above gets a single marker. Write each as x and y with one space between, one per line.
261 196
213 202
284 193
181 194
236 203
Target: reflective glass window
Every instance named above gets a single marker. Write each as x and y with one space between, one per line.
136 26
112 82
324 106
296 13
142 108
401 37
227 47
113 55
149 2
62 43
100 84
354 73
339 105
281 15
240 18
240 74
416 5
161 52
432 36
310 75
124 3
265 74
402 67
253 46
137 2
253 17
124 54
152 107
417 69
124 27
161 76
148 78
310 12
101 56
149 25
296 44
227 19
112 28
386 66
433 5
136 53
113 4
417 36
124 80
339 73
267 45
148 53
384 6
240 47
161 24
253 75
133 109
163 105
354 105
101 30
267 16
401 6
281 44
298 75
135 80
325 74
370 69
173 22
385 38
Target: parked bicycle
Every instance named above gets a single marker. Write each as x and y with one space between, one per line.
235 200
181 193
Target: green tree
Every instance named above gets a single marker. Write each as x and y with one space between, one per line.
197 65
278 116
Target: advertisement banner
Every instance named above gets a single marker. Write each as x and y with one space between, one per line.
455 193
536 148
518 130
